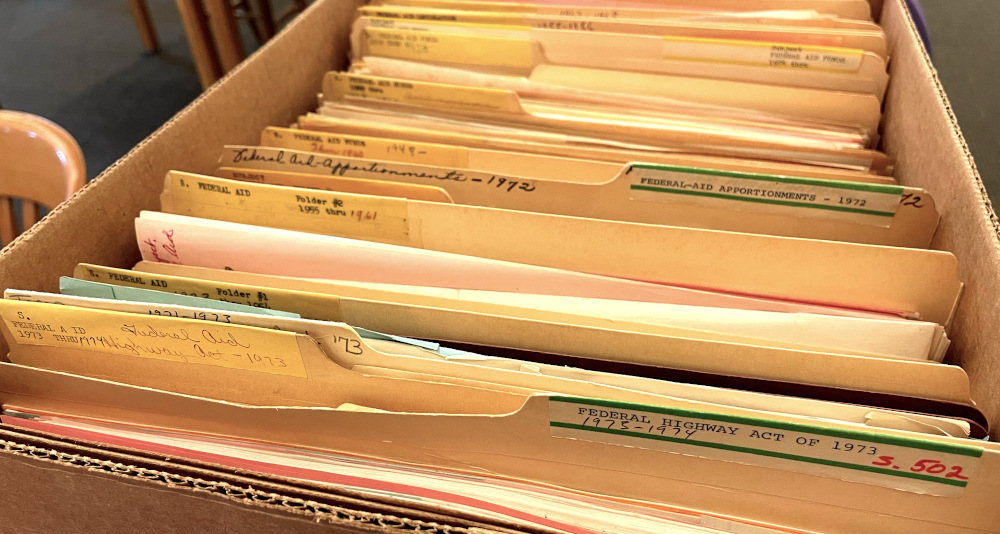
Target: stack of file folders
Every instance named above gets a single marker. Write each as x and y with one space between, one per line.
597 266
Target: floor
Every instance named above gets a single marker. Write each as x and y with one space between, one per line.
81 64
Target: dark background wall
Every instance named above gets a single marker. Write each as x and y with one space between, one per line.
965 45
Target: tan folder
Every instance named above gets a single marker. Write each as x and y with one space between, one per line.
447 320
913 283
344 346
585 166
519 52
792 103
644 193
776 29
505 108
858 10
729 459
873 165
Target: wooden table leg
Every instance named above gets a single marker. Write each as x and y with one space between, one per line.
206 59
147 32
227 35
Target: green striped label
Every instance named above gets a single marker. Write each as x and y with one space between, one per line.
873 204
907 463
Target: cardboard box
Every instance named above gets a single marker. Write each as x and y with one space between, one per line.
57 485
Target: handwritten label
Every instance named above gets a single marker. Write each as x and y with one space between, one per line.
294 161
337 86
147 308
333 337
571 25
308 305
353 146
761 54
498 52
872 204
161 338
911 464
339 214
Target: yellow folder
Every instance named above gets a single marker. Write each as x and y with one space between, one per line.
515 51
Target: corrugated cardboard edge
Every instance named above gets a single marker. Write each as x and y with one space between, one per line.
934 155
297 494
135 476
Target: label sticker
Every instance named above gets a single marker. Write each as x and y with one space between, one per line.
292 161
498 52
160 338
910 464
762 54
355 146
308 305
323 212
465 27
873 204
337 86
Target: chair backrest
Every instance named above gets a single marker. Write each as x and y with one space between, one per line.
40 164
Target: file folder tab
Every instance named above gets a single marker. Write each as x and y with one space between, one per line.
378 218
862 203
162 338
759 54
904 463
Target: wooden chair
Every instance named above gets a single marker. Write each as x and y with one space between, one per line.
40 165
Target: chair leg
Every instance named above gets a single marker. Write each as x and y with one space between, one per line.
144 23
297 7
8 223
227 35
200 40
29 214
263 19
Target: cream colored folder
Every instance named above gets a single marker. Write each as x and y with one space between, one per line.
642 193
826 333
874 167
549 333
781 150
830 107
888 280
549 440
348 349
504 107
859 10
524 164
871 39
510 51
